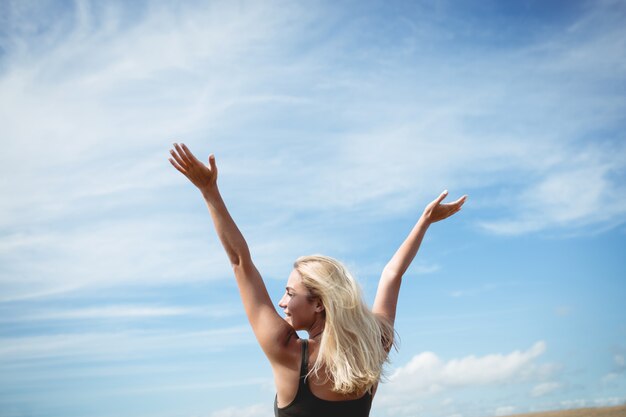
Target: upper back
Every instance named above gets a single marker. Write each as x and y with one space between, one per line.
313 396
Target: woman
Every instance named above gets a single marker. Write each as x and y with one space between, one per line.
336 371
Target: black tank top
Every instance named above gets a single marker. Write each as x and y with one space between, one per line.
308 405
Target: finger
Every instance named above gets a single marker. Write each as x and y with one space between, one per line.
182 154
459 202
189 154
178 159
442 196
175 164
212 163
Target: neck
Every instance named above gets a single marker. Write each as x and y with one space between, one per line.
316 329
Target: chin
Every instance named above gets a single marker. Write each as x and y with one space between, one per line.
290 322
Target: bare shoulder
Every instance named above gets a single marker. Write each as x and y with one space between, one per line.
288 352
286 370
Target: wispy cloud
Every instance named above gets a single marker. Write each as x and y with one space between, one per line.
124 344
107 253
504 410
122 92
592 402
388 153
617 375
256 410
236 383
121 312
483 289
544 388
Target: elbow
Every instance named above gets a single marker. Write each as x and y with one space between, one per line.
391 278
238 254
235 261
239 260
389 272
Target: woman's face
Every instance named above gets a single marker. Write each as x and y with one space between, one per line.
300 310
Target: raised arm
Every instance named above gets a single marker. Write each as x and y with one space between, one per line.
269 328
389 285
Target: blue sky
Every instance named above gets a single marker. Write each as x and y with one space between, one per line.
333 125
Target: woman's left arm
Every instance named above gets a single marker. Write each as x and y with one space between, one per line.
389 285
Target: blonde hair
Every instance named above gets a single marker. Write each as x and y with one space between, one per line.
355 343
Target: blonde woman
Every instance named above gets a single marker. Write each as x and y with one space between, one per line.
335 372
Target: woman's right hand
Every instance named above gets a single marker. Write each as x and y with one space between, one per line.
437 211
202 176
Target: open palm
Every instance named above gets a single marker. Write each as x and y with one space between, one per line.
437 210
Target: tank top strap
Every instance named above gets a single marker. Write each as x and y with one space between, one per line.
304 367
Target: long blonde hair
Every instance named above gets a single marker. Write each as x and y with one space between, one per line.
355 343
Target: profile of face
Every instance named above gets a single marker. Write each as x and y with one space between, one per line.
301 310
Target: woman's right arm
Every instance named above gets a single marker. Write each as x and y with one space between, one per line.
389 285
269 328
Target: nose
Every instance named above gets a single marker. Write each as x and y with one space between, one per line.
282 303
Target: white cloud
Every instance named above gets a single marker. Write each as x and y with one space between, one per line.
427 374
94 110
201 386
122 312
256 410
596 402
504 410
618 373
405 409
570 198
609 401
417 383
563 311
544 388
97 108
147 251
575 403
124 344
610 377
483 289
108 253
165 77
423 269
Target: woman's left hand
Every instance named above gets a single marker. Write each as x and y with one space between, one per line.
437 210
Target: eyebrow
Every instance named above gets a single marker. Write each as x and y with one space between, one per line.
289 288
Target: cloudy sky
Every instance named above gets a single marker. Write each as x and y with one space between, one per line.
333 125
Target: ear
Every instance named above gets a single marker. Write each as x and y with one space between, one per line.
319 307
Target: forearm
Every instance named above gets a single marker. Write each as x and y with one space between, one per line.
228 232
403 257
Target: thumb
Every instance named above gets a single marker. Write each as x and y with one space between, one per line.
212 162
